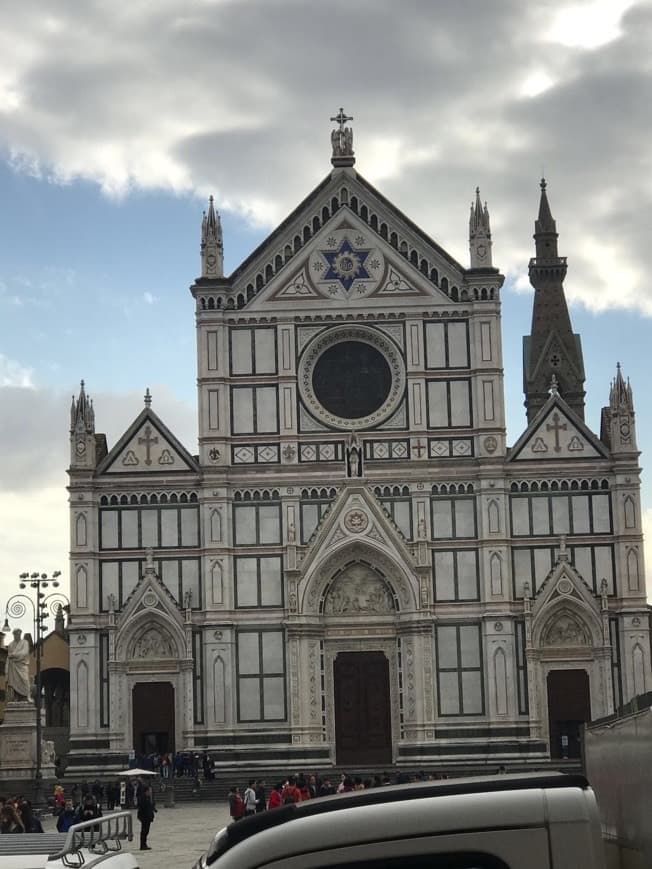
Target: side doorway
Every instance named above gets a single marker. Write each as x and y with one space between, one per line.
569 707
363 732
153 717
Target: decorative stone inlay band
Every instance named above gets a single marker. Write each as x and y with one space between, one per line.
360 334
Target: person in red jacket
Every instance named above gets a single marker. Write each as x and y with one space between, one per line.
275 798
291 793
236 804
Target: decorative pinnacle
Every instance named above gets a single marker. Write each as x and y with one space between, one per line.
148 398
342 141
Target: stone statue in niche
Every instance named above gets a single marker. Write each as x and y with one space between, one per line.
566 631
152 644
354 456
358 590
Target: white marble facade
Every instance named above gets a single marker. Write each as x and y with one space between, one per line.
353 493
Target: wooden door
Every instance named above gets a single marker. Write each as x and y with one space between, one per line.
569 706
363 733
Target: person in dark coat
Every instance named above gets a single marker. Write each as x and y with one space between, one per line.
145 815
67 817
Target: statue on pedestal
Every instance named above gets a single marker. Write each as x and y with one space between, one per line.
18 651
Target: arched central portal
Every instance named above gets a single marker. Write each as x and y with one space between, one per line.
153 717
363 733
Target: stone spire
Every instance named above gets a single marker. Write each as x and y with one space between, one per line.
552 347
479 234
82 415
618 428
212 245
82 431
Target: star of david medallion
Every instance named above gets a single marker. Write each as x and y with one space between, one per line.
343 265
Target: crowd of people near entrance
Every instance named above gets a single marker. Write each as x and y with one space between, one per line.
255 798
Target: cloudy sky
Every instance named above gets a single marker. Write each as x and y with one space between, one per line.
118 119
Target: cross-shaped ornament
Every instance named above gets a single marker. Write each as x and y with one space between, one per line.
341 118
149 441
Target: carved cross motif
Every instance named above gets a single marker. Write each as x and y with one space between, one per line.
419 448
149 441
556 427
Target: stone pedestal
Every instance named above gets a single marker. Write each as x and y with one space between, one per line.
18 744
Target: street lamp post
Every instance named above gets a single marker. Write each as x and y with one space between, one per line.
17 609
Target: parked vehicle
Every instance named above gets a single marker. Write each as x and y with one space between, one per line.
538 821
92 844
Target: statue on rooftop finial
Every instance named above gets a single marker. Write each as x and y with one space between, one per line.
342 140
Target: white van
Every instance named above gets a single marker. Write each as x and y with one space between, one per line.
537 821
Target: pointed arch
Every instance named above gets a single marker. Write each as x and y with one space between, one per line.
404 586
500 681
496 573
565 628
633 578
219 690
81 586
630 512
217 582
81 686
638 669
81 531
216 526
135 627
493 516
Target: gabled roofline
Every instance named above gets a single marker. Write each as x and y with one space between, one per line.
148 414
556 400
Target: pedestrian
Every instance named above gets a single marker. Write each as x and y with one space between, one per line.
67 817
9 820
146 812
29 820
291 793
236 804
250 799
275 798
261 801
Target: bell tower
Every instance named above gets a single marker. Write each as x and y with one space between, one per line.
551 348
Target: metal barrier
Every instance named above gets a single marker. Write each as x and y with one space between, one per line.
99 836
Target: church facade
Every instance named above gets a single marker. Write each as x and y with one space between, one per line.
356 568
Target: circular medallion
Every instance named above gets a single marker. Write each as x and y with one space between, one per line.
351 377
356 521
149 599
81 448
498 626
345 264
490 444
564 586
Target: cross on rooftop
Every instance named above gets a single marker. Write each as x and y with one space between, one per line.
341 118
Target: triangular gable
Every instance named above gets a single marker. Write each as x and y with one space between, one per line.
148 446
281 257
346 263
554 346
564 607
355 516
556 433
151 595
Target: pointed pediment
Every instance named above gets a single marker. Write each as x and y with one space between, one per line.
150 597
556 433
356 517
554 347
346 243
565 611
149 447
346 263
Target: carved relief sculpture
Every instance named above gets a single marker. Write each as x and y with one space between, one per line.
358 590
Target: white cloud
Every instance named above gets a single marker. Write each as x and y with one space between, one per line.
117 95
149 298
14 374
588 24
